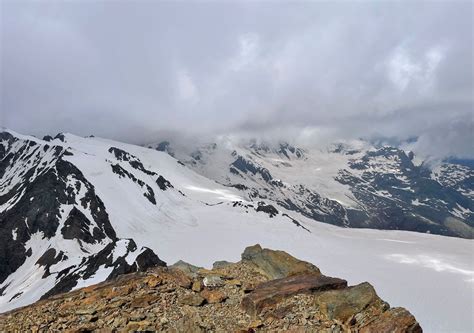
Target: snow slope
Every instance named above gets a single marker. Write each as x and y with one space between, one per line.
200 221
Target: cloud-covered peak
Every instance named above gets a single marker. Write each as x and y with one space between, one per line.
130 70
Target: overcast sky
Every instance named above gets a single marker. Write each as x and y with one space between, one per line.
131 70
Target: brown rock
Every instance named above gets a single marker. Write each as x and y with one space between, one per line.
143 301
213 296
280 312
143 325
248 287
256 324
343 304
119 291
277 264
197 286
86 311
234 282
187 268
176 276
186 324
221 264
193 300
272 292
395 320
153 281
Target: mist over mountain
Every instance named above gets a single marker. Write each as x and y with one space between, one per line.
310 71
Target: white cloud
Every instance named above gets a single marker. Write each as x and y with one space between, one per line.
187 90
352 69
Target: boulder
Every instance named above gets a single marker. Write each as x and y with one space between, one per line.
269 293
213 281
395 320
190 270
221 264
193 300
177 277
343 304
276 264
197 286
213 296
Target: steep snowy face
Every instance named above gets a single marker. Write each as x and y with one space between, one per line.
55 230
352 184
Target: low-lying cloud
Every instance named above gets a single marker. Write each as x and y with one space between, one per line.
131 70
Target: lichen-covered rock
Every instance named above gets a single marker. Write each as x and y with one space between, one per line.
197 286
213 281
220 264
189 269
342 304
276 264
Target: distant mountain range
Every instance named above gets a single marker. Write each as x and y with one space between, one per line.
354 184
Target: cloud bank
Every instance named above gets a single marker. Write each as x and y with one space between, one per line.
132 70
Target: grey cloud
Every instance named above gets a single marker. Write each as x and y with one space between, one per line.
131 70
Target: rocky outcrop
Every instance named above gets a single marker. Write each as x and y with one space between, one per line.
235 297
276 264
274 291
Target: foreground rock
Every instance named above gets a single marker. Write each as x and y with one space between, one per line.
276 264
234 297
272 292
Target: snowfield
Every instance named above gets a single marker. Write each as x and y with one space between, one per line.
196 221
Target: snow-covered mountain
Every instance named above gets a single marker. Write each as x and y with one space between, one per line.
354 184
75 211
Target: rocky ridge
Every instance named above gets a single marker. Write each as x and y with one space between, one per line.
267 291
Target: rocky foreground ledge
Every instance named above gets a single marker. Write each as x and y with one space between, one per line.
267 291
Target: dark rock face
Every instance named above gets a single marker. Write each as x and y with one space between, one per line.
105 259
389 198
246 166
314 206
269 209
45 194
49 258
288 151
77 226
148 193
163 183
36 203
165 146
147 259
